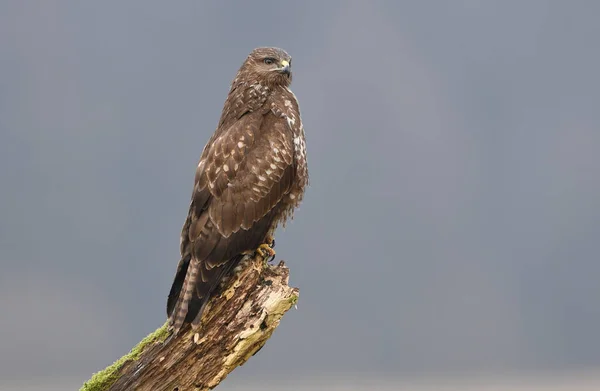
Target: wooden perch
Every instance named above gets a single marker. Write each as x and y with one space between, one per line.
235 325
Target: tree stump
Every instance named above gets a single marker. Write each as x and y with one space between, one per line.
235 325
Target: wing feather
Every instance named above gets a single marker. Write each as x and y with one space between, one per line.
249 215
258 180
243 174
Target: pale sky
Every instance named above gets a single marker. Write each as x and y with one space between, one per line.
453 216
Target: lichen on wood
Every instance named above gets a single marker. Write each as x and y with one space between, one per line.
102 380
235 325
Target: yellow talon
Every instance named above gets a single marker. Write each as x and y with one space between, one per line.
265 251
270 241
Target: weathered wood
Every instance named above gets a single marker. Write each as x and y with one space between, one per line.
235 325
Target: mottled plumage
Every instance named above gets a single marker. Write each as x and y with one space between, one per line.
251 176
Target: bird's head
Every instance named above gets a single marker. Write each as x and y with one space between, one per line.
270 66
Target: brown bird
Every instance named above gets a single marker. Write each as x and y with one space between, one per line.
251 177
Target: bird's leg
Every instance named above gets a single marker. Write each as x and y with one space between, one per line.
265 250
270 240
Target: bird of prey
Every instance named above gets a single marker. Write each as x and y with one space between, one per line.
251 177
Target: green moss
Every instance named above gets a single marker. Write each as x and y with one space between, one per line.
293 299
100 381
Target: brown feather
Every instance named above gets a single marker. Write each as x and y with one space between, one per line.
249 215
247 170
227 224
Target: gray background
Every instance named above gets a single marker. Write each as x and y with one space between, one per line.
453 217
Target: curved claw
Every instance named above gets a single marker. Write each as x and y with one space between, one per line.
265 251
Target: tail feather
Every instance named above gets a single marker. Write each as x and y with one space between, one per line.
191 291
205 290
185 296
177 284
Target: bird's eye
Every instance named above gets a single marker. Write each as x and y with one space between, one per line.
269 60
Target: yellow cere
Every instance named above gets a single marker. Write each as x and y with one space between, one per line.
285 63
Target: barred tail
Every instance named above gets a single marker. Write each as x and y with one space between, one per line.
179 312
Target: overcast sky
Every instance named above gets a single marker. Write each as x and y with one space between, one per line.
453 217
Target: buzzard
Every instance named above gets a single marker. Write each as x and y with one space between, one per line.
251 176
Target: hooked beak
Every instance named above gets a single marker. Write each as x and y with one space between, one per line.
285 68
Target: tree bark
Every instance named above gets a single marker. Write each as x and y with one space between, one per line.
235 325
